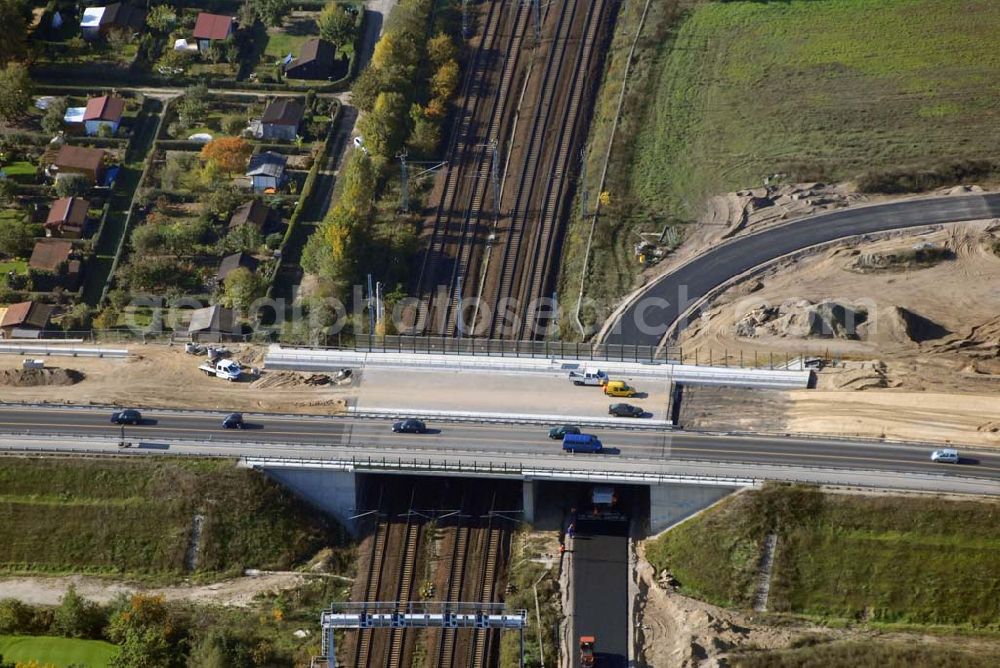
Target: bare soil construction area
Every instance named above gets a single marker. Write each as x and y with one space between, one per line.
910 318
158 376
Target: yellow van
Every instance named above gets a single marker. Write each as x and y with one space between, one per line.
619 388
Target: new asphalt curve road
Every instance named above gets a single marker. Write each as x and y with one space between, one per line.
515 444
650 315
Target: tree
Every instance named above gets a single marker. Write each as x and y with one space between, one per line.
119 38
72 185
193 105
445 80
8 191
15 237
241 288
230 154
221 202
17 90
52 121
426 135
233 124
440 49
76 617
146 633
270 12
161 18
77 319
337 24
15 617
14 16
384 128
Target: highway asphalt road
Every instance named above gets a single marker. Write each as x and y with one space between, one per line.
648 317
600 590
302 436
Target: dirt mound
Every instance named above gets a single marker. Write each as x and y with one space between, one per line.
291 379
981 341
39 377
803 319
901 324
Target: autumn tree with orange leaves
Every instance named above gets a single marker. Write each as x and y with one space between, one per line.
230 154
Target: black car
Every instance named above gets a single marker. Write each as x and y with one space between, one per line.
557 433
127 416
409 426
234 421
625 410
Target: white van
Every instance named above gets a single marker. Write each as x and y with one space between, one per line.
945 456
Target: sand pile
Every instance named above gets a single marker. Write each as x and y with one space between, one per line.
291 379
897 324
39 377
803 319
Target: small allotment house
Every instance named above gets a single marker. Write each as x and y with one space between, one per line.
267 171
281 120
67 218
211 28
316 61
103 111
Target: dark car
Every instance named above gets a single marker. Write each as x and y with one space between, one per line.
127 416
625 410
234 421
409 426
558 432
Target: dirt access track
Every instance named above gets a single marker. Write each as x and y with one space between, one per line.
922 359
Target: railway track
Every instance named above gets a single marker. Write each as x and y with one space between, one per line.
463 143
376 564
504 286
456 580
482 645
404 588
541 259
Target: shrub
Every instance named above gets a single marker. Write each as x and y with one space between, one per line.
911 180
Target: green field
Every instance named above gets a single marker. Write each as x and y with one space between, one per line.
873 654
59 652
135 518
820 89
723 94
883 560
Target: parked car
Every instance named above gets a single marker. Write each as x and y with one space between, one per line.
234 421
127 416
619 388
625 410
409 426
945 456
557 433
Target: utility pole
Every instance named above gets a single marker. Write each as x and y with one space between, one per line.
538 20
495 175
583 183
371 313
404 177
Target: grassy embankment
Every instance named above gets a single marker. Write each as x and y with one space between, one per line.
921 562
727 93
135 518
50 650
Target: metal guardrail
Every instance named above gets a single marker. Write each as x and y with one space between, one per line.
796 473
60 350
295 359
634 424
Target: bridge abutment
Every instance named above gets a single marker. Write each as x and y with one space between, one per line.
670 503
334 492
528 500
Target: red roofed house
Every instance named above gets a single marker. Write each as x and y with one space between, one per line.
52 264
212 27
67 218
104 110
24 320
79 160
